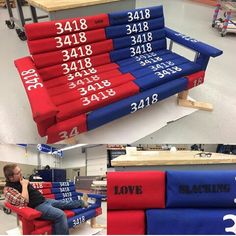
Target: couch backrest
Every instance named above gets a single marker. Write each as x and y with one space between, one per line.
65 47
57 190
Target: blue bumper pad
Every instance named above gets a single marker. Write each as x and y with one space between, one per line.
190 221
201 189
122 17
63 189
81 218
134 103
59 196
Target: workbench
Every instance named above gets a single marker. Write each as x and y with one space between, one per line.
63 9
166 160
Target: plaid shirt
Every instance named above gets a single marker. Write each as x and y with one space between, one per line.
14 197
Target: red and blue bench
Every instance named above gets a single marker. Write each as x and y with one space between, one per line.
86 72
29 218
172 202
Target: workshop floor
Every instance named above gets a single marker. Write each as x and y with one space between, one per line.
16 124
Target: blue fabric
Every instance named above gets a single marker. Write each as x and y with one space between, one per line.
131 60
189 221
122 30
65 195
79 219
192 43
82 210
93 195
122 17
129 41
146 64
70 199
126 52
62 184
201 189
63 189
166 75
121 108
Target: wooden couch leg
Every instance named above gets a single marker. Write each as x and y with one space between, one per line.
70 141
94 224
185 102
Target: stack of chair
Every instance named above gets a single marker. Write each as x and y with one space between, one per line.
29 218
172 202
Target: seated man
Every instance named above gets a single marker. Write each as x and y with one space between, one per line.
20 192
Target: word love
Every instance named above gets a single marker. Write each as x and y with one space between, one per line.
137 189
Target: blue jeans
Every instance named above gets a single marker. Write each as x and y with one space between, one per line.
53 210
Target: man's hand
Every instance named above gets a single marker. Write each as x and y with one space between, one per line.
24 182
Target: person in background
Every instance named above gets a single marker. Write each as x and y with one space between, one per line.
19 192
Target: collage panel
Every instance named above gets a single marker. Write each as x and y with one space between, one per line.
172 190
56 189
92 72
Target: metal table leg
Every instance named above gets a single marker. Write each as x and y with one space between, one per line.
10 23
33 14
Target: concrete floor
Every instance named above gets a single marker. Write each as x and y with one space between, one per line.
16 124
8 222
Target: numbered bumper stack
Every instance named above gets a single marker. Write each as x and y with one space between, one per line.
172 202
30 218
85 72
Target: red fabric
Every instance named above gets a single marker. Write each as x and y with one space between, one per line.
53 44
78 83
42 126
47 230
67 129
40 185
42 108
195 79
90 89
27 226
95 101
26 212
58 57
98 211
69 213
126 222
41 223
109 68
45 191
49 28
136 190
51 196
77 65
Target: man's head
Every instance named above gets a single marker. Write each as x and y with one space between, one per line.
12 173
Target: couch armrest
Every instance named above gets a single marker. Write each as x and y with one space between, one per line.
192 43
92 195
26 212
40 102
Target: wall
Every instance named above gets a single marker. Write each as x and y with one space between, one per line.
95 157
73 158
11 153
96 160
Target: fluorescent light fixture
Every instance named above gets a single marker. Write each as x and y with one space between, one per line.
72 147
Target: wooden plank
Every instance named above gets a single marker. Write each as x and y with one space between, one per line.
165 158
51 5
194 104
183 95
